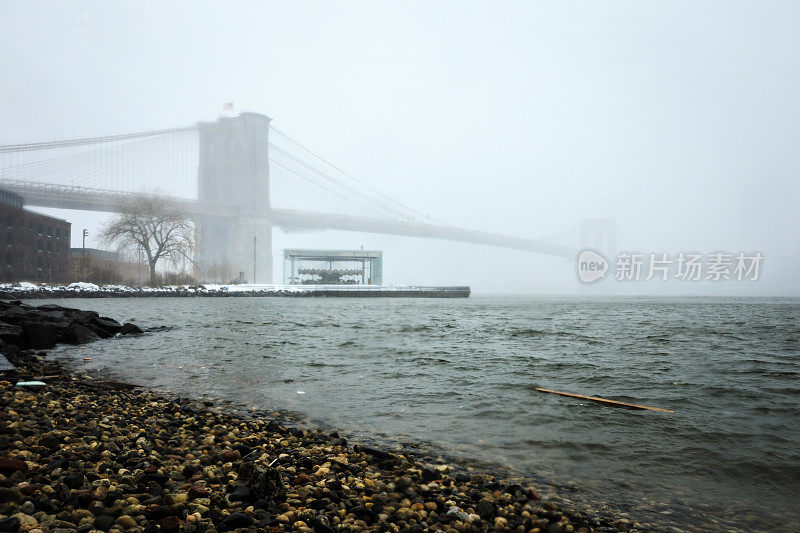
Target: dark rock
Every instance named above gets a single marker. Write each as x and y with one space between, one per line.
41 334
363 513
78 334
198 491
52 307
378 454
105 327
74 480
264 480
8 465
9 525
50 441
170 524
103 522
319 504
269 522
486 509
9 357
13 315
446 518
429 474
241 494
8 495
236 520
11 334
162 511
79 316
301 479
321 525
130 329
242 449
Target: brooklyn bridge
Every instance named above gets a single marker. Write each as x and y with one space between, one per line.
236 177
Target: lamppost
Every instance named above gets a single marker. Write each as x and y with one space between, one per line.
255 240
83 252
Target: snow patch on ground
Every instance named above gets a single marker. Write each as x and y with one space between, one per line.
83 286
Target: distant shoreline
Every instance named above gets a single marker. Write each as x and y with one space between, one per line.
88 290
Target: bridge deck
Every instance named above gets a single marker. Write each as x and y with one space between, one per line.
89 199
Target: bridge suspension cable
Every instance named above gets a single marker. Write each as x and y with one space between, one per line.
378 200
48 145
324 187
336 182
163 161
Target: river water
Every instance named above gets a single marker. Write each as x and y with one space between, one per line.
458 377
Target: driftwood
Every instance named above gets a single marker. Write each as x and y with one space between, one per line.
612 403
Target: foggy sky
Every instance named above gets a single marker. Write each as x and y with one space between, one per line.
680 119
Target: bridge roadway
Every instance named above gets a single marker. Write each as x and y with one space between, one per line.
91 199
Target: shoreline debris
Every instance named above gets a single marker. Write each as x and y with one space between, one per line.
612 403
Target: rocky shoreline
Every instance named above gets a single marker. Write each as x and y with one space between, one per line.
81 455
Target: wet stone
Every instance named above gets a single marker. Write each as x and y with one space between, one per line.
103 522
169 524
241 494
236 520
9 525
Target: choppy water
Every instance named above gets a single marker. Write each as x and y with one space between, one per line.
461 373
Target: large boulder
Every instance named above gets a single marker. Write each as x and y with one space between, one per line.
40 335
11 334
80 316
6 367
130 329
103 326
13 314
10 352
53 307
78 334
50 316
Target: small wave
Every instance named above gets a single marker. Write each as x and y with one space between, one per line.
530 333
414 329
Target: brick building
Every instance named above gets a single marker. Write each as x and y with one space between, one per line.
106 267
33 246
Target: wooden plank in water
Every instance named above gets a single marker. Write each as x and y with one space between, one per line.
612 403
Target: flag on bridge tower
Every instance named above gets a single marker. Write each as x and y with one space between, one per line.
228 106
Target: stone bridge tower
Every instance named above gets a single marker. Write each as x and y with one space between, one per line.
600 234
233 176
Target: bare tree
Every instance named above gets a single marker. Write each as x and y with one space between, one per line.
154 225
